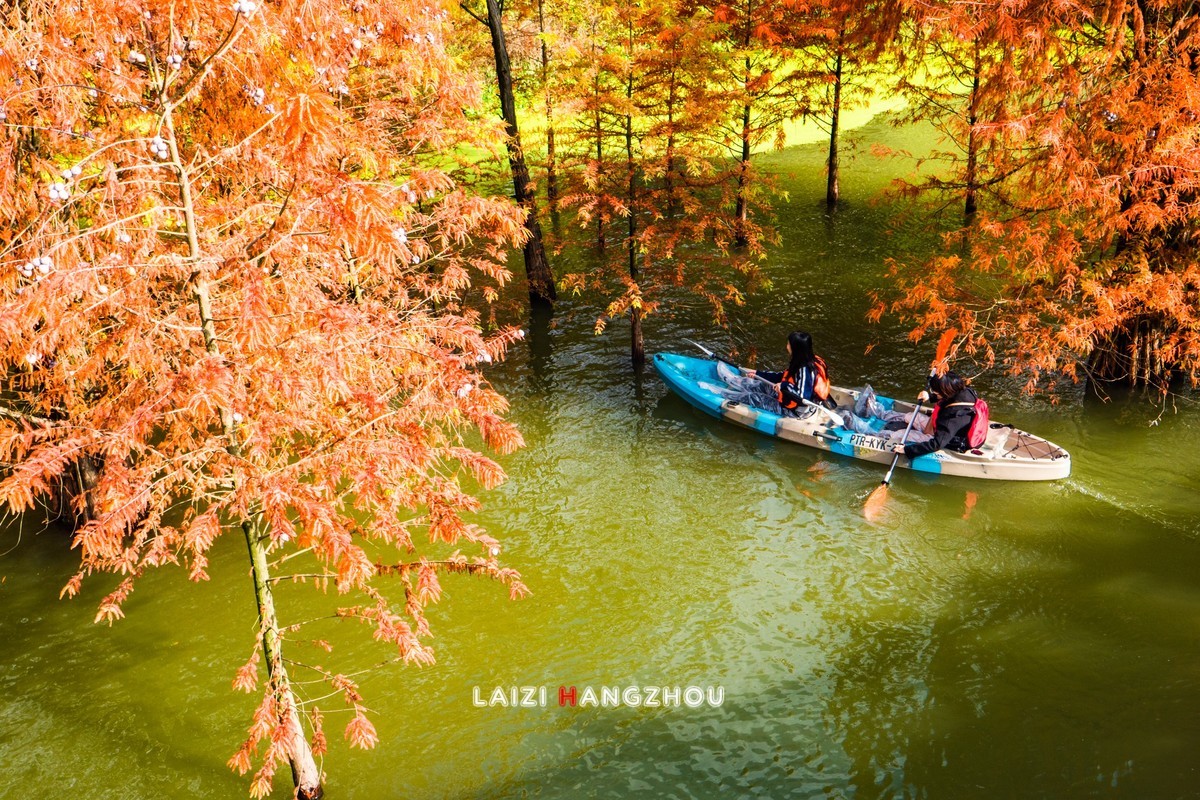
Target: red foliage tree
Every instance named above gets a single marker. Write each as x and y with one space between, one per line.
537 267
959 71
762 81
841 43
1085 262
665 180
229 281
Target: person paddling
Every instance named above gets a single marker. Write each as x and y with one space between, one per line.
951 419
946 427
805 378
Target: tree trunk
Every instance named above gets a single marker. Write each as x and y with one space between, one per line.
669 155
599 132
741 212
637 344
77 484
972 145
831 188
1130 356
551 165
537 267
306 777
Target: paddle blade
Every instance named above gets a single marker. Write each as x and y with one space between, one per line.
875 503
943 350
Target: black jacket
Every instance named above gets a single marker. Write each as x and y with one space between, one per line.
953 420
793 389
811 383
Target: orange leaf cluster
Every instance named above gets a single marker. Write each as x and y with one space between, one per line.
1076 131
230 282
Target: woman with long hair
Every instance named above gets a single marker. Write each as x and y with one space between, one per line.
805 378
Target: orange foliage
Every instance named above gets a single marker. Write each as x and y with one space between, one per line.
231 279
1084 128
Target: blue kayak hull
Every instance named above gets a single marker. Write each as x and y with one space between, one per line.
1008 453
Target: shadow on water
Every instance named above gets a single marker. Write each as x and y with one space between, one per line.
541 349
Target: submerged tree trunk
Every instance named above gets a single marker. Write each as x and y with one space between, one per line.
832 191
537 267
306 777
1132 356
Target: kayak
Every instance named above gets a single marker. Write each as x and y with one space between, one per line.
1008 454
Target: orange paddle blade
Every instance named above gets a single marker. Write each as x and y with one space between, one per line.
876 500
943 349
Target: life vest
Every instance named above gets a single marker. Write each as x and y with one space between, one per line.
821 382
977 431
819 388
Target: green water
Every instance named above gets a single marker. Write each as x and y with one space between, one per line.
1042 643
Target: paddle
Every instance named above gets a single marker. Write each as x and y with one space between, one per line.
873 507
834 418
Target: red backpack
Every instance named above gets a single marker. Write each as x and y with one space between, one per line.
978 430
977 433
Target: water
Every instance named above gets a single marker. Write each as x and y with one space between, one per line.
985 640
